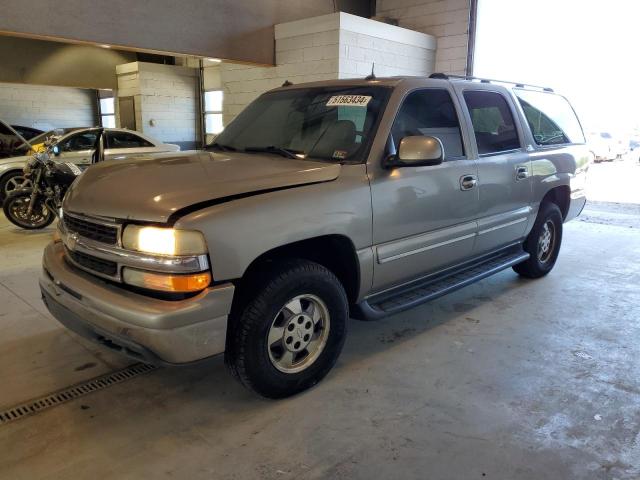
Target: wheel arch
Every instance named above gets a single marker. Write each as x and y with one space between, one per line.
335 252
9 171
561 196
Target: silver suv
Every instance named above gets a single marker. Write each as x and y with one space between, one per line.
318 202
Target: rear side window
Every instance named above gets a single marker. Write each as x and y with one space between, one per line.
492 121
430 112
550 117
126 140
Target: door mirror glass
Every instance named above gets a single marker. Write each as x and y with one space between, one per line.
56 150
416 151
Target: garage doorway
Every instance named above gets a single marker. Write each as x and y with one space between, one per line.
583 51
127 110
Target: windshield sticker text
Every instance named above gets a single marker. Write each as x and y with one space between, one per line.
348 100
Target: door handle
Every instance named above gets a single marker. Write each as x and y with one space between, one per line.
522 173
467 182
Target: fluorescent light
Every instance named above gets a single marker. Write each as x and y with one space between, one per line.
216 60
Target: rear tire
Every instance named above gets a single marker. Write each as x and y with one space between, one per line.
542 243
10 182
288 334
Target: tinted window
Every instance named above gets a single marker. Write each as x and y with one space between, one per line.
550 117
126 140
492 121
79 141
430 112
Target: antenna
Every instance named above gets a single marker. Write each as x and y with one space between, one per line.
371 76
287 83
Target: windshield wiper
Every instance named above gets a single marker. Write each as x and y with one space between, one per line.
273 149
222 148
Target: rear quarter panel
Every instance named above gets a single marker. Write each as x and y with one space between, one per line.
562 166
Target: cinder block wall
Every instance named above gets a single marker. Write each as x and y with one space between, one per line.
389 50
166 100
447 20
331 46
46 107
301 58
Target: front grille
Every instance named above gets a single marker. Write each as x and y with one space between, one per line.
98 265
94 231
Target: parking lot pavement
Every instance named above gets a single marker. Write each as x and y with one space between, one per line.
615 181
37 355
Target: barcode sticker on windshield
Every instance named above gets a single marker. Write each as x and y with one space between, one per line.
348 100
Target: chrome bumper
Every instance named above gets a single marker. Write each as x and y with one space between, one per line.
149 329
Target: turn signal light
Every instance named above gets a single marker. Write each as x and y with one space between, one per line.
167 282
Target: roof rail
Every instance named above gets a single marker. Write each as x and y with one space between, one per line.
446 76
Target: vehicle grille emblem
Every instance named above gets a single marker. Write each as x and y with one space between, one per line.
72 240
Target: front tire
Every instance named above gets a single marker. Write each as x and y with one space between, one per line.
288 334
15 208
542 243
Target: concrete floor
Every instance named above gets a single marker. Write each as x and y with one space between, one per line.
505 379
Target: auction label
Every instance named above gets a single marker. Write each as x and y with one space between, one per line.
348 100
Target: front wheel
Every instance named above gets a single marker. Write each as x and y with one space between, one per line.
288 336
16 209
543 243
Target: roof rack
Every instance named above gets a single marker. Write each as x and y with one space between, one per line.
446 76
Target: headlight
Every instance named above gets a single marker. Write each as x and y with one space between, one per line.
163 241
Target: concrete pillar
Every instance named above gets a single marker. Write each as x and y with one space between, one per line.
166 101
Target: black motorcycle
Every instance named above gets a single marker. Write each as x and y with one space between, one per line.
38 203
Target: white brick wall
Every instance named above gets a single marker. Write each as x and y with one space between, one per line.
165 96
46 107
332 46
302 58
448 20
359 52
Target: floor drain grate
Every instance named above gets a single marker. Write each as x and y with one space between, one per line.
71 393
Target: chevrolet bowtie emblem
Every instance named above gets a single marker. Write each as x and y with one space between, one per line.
72 240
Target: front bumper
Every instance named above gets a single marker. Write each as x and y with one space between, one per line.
149 329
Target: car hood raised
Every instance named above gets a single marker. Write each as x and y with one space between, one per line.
153 187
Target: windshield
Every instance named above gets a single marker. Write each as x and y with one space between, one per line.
327 123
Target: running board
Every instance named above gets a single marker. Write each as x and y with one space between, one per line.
421 291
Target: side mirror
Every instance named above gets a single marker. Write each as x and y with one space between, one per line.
56 150
417 151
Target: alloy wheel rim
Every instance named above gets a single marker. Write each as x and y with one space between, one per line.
15 183
298 333
546 241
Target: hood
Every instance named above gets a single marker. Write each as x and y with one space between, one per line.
152 188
